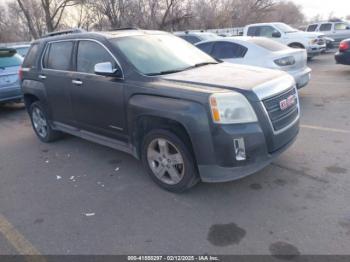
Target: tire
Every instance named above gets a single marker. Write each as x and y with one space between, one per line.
41 124
168 161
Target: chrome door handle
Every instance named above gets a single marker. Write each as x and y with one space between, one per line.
42 76
77 82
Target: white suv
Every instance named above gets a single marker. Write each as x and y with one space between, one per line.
337 30
312 42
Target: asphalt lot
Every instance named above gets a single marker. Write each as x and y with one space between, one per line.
76 197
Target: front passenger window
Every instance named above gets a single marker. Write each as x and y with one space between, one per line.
89 54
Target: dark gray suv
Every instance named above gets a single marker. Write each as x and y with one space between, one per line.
188 117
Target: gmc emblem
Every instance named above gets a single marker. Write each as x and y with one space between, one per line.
288 102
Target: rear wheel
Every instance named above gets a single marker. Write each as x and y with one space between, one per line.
41 124
168 161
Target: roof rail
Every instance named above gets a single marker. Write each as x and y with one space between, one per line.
65 32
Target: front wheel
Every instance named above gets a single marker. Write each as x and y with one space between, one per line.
168 161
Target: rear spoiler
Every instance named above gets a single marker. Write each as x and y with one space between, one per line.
4 51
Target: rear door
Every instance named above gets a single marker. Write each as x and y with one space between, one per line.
98 101
56 75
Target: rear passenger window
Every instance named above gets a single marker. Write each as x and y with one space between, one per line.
325 27
29 61
90 54
58 56
341 26
226 50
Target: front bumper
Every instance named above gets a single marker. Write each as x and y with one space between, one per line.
342 58
10 94
301 77
258 151
315 50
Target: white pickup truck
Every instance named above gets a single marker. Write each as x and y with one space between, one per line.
312 42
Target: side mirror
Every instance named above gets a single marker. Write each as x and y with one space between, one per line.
276 34
348 27
106 69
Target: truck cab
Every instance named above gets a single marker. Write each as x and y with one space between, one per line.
280 32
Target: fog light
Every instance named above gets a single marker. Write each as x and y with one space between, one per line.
239 149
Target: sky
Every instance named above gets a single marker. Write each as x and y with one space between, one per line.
311 8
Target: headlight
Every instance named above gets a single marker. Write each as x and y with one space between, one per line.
313 41
231 108
285 61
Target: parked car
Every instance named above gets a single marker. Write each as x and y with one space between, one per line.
195 37
21 49
343 55
262 52
337 30
312 42
162 100
10 62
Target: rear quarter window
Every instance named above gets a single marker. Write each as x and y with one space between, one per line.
30 59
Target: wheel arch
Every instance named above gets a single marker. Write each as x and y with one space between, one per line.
187 119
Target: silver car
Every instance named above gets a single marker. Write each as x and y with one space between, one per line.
10 63
261 52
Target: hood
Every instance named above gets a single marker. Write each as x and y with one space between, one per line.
305 34
226 75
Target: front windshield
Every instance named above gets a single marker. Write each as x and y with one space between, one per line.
286 28
160 54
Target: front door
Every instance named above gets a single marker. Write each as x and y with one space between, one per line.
97 101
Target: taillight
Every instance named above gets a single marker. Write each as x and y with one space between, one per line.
344 46
20 73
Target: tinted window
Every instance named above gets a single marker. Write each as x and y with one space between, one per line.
341 26
58 56
31 56
90 54
311 28
192 39
228 50
326 27
253 31
268 44
206 47
8 60
265 31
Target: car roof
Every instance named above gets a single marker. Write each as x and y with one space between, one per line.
260 24
103 34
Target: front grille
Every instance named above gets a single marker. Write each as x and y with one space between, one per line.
321 41
281 118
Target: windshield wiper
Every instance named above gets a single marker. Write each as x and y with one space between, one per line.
3 68
180 70
166 72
